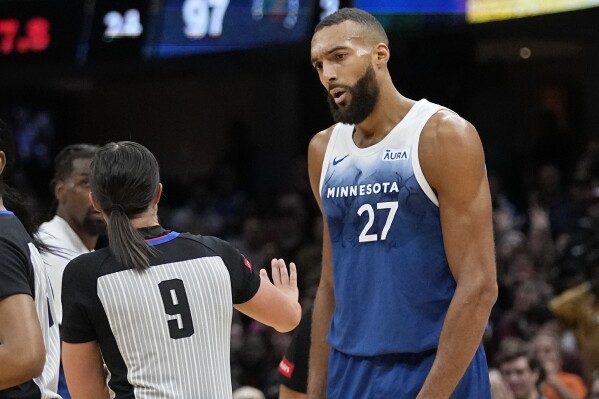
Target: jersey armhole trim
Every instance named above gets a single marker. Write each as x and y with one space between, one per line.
327 156
426 187
428 190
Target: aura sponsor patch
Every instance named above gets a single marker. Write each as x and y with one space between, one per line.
392 155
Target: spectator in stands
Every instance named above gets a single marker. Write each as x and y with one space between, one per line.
558 384
521 370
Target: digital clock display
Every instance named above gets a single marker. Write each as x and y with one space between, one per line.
37 31
31 36
113 30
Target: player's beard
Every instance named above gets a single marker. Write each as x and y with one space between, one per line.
364 95
93 226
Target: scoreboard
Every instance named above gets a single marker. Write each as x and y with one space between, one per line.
201 26
81 32
113 29
412 6
88 31
36 31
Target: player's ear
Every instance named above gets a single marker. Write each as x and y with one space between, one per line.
382 54
59 189
94 202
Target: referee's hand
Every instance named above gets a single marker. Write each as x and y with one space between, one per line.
285 281
275 303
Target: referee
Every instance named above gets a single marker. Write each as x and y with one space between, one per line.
156 305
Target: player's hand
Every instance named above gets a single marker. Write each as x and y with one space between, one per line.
285 281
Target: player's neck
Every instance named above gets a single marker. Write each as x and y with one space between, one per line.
2 208
390 109
88 240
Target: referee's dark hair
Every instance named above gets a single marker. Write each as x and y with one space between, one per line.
125 178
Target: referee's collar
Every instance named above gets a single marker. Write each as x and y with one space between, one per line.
151 232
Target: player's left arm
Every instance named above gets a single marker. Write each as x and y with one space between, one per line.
22 352
452 159
84 370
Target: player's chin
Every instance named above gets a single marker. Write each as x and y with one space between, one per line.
95 217
339 106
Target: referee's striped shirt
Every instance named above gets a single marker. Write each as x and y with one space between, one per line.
164 332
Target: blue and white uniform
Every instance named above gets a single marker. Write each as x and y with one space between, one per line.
392 280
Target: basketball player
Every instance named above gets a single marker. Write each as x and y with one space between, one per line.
156 305
29 339
76 226
408 271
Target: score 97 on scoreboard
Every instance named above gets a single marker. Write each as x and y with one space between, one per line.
85 32
187 27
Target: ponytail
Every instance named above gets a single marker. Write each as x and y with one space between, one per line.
124 180
126 244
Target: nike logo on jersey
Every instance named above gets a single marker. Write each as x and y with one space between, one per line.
336 161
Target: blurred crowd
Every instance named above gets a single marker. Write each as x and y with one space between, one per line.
547 250
547 314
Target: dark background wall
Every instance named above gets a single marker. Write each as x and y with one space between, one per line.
260 108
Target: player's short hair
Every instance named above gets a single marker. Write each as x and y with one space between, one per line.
366 20
63 163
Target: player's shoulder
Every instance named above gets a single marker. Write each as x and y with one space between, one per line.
318 146
87 264
448 125
48 229
448 122
448 133
320 140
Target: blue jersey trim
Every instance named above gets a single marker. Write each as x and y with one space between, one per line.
162 239
6 213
